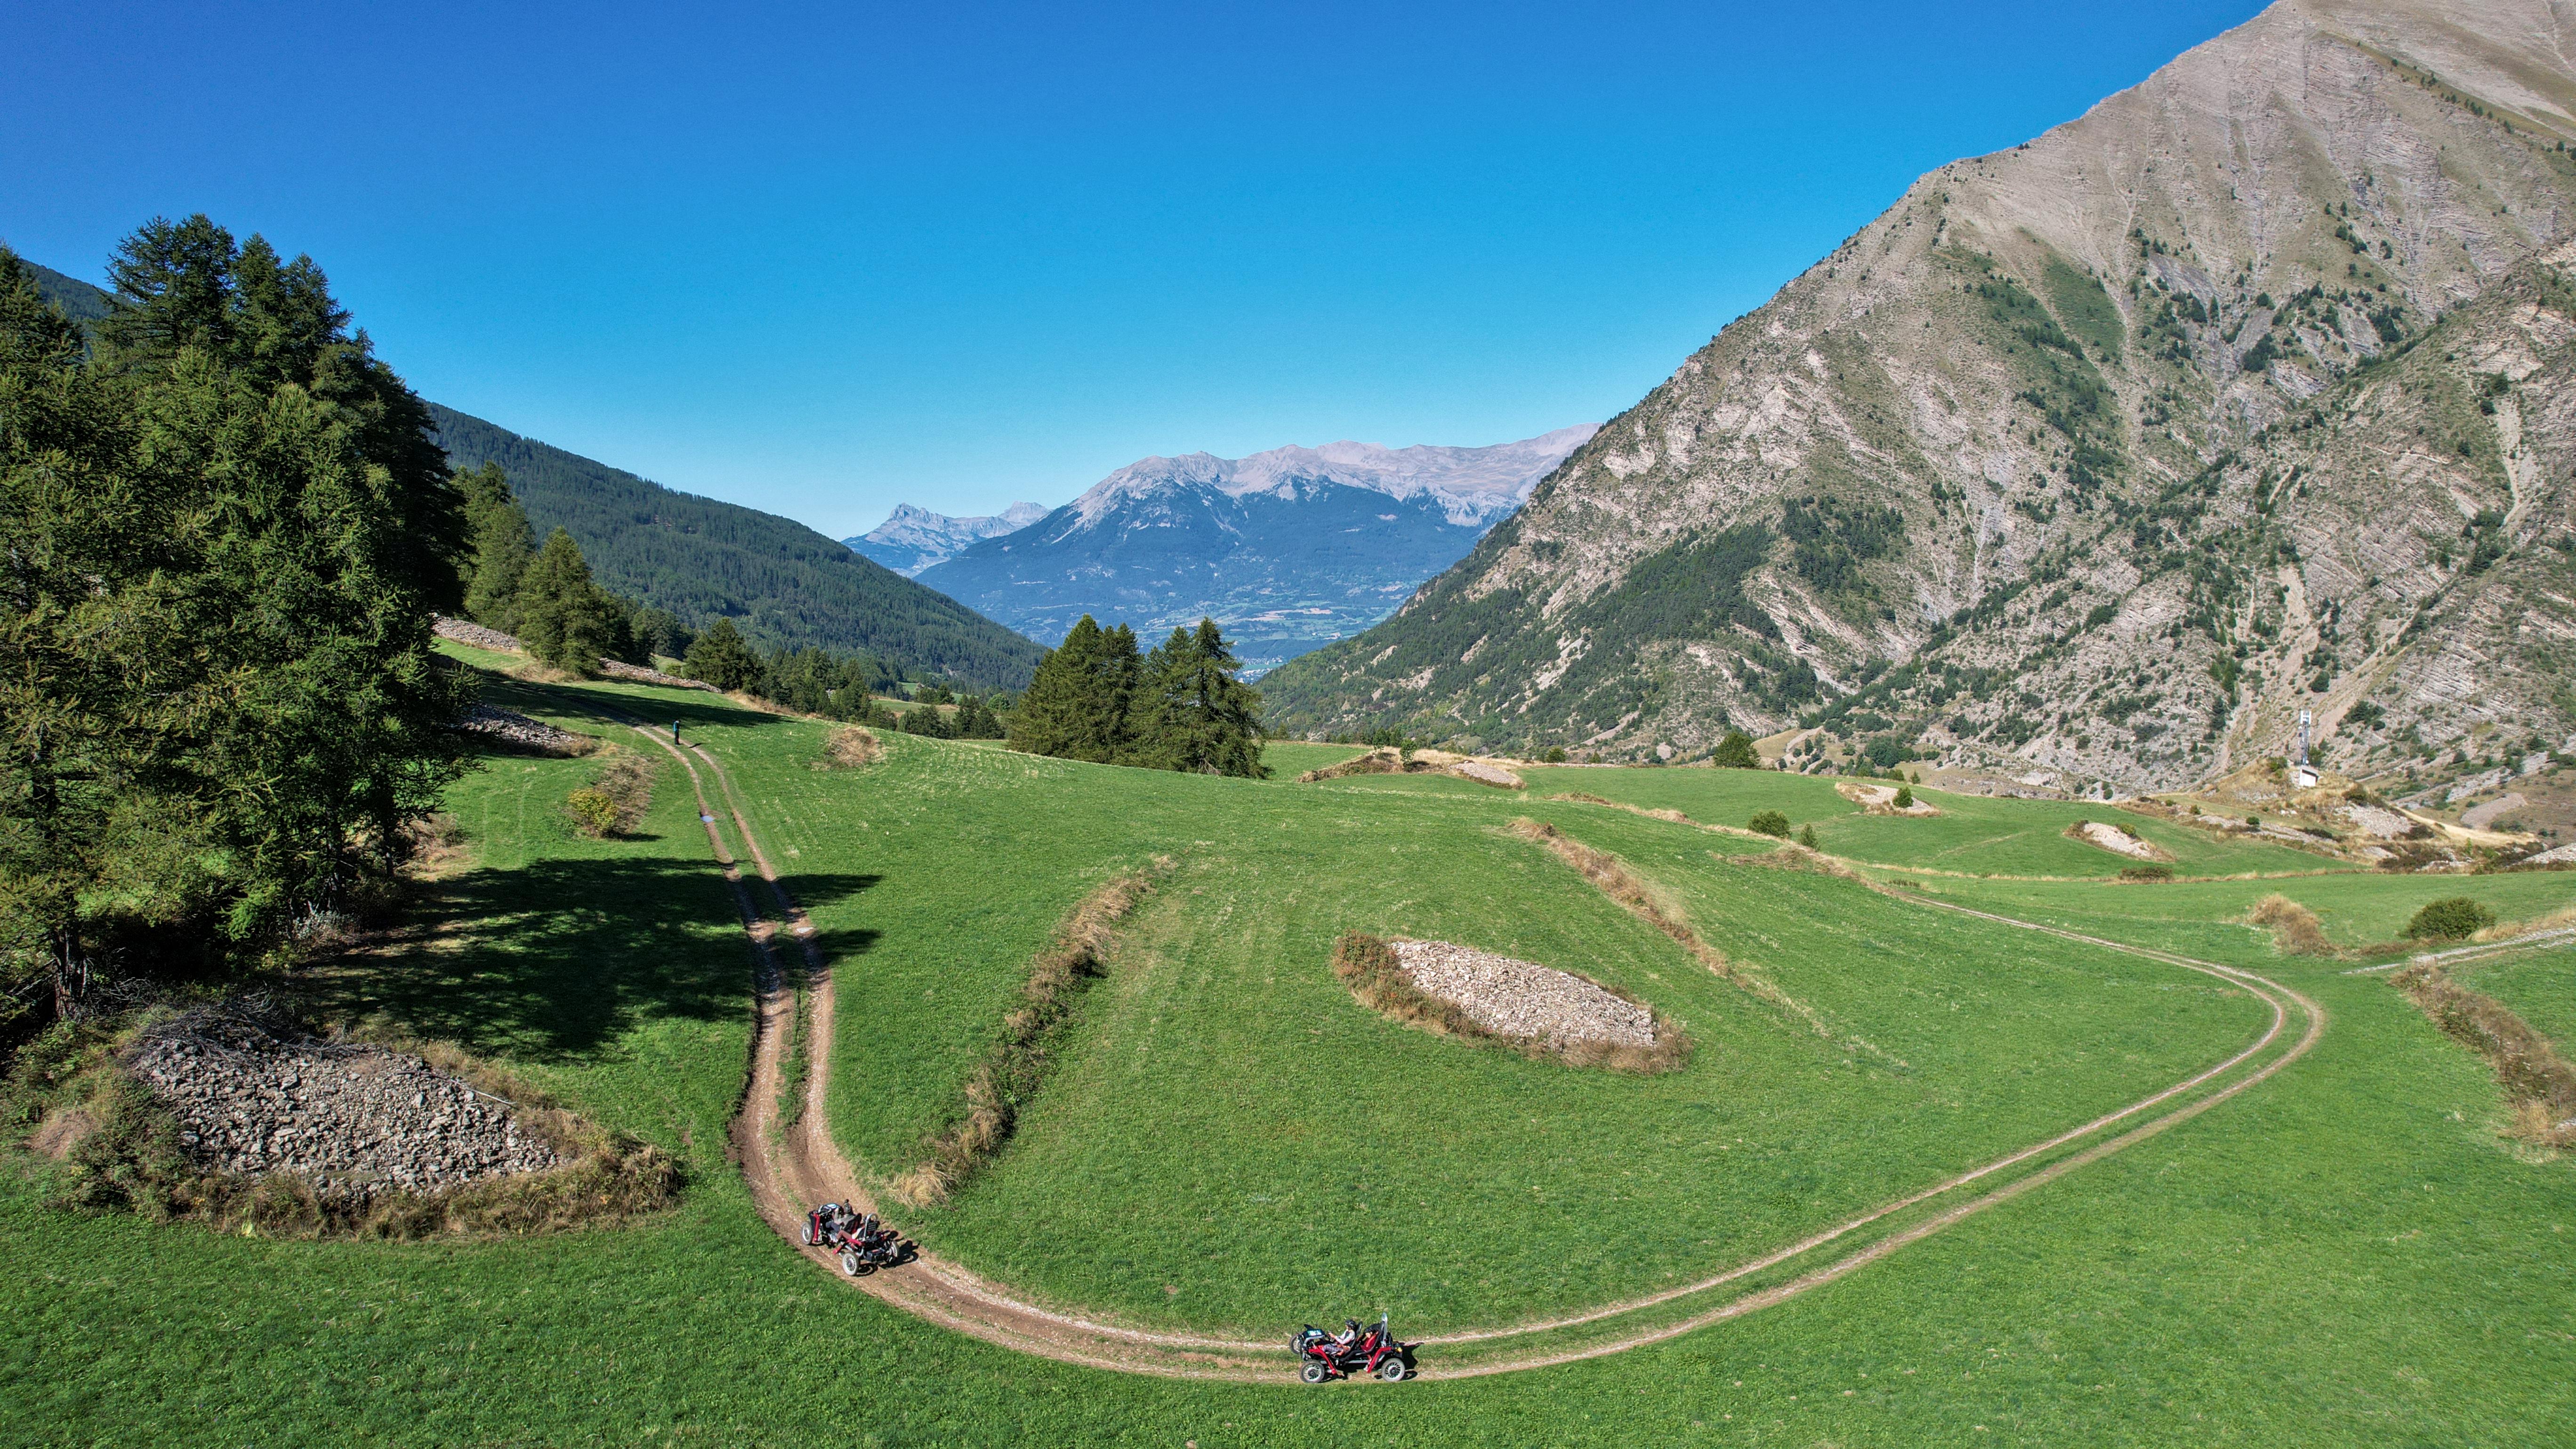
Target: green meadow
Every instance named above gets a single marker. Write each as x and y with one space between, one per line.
2348 1253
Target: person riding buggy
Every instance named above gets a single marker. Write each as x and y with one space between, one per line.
1372 1352
863 1243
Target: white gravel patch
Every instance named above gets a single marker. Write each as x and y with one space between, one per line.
2120 842
1522 999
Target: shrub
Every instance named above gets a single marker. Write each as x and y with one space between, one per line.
592 812
1904 797
1807 837
2295 929
2147 873
1735 752
2450 919
1555 755
1769 822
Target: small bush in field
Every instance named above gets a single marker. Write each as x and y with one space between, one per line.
2449 919
1769 822
2147 872
1904 797
1807 838
592 812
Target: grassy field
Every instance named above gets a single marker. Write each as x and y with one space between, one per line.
2348 1254
2539 987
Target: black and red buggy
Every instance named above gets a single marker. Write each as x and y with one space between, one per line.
863 1243
1371 1352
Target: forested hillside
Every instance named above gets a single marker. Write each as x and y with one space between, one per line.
2090 462
779 581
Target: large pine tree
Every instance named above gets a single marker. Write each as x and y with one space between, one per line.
227 526
1194 713
564 618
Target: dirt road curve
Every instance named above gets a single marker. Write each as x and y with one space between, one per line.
792 1167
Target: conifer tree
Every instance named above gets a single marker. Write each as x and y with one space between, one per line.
721 658
1193 713
227 525
564 618
1057 713
503 544
1735 752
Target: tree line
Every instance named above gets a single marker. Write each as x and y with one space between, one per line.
1181 707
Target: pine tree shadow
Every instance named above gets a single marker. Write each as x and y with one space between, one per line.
558 959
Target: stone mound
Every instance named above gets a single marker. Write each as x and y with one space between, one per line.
354 1120
1487 774
1522 999
510 727
2116 840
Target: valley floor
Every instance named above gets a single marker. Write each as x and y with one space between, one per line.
2346 1251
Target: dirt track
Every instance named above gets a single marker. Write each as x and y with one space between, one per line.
790 1169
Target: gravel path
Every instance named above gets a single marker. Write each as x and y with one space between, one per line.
1523 999
357 1121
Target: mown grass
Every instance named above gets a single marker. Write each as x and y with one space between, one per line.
2538 986
2348 1254
1973 834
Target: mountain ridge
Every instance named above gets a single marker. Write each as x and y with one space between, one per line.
913 539
1286 548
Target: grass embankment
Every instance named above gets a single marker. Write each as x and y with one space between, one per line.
2349 1254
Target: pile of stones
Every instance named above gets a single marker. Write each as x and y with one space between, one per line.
511 727
1516 998
355 1121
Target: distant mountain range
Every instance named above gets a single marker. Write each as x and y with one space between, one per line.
1288 549
912 539
779 581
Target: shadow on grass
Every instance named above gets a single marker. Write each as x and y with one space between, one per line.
558 959
693 709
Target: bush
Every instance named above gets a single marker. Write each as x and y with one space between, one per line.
1807 838
592 812
1555 755
2147 872
1735 752
1904 797
2449 919
1769 822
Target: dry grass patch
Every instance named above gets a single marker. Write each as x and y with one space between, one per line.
2539 1084
1016 1066
2296 931
1377 979
849 748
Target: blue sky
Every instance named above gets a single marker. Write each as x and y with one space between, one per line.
822 261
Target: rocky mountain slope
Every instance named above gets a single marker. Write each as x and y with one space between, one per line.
912 539
1287 549
2093 460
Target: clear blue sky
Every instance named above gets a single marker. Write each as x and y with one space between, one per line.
823 261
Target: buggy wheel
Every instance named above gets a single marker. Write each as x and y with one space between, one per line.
1393 1369
850 1264
1312 1373
809 1232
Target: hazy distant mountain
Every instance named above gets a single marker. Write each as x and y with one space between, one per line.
912 539
1288 549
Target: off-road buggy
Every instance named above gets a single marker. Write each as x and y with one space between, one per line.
1371 1352
863 1243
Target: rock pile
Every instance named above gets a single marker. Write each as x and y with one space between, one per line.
1522 999
1487 774
355 1121
2116 839
518 729
466 631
